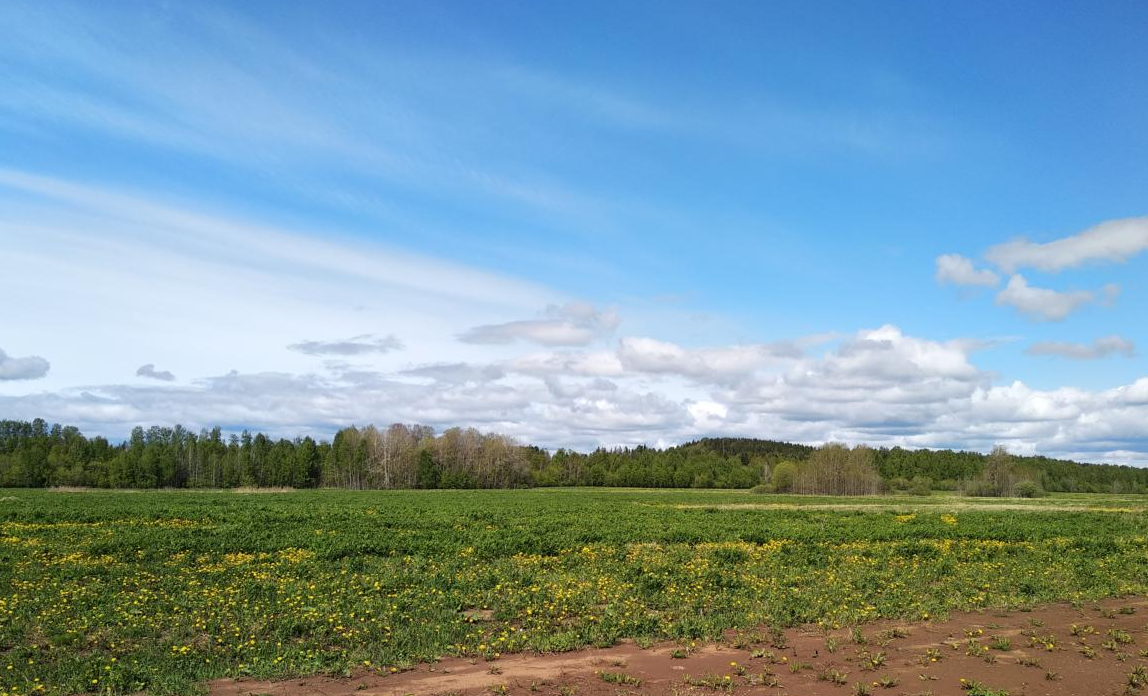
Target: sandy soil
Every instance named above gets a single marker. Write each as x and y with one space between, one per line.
1034 653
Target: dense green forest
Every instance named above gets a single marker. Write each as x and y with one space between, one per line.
36 454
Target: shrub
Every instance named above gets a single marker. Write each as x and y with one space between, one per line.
921 485
783 476
899 483
1029 489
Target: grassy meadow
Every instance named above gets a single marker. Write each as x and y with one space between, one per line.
121 592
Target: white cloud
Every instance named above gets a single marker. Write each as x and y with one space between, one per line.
1043 304
1112 241
574 324
29 367
958 270
457 373
356 345
707 414
150 372
878 386
650 355
1099 348
582 364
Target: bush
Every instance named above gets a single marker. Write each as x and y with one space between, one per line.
979 489
899 483
761 489
921 485
1029 489
783 475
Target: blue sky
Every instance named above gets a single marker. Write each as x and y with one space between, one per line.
581 224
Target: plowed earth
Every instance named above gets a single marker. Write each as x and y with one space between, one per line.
1095 649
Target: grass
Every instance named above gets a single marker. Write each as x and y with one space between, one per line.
161 591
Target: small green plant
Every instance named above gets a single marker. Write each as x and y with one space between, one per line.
711 681
833 677
1120 637
745 641
861 689
1000 643
872 661
1047 642
1138 677
975 688
619 678
777 638
766 679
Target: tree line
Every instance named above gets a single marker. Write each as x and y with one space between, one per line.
36 454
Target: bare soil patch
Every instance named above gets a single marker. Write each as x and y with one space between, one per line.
1094 649
1040 506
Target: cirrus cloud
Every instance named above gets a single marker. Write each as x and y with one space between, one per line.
1099 348
356 345
574 324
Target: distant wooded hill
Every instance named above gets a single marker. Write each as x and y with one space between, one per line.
36 454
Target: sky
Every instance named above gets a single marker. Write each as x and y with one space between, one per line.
581 224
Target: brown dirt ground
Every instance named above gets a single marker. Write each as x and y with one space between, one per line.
1042 657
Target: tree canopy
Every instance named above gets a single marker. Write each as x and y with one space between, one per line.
36 454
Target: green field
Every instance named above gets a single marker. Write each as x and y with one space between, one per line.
118 592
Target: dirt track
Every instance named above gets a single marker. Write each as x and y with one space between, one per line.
1036 653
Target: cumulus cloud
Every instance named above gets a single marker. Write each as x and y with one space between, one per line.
1112 241
653 356
574 324
955 269
150 372
582 364
29 367
1099 348
1043 304
886 354
356 345
878 386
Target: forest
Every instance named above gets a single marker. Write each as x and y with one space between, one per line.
36 454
